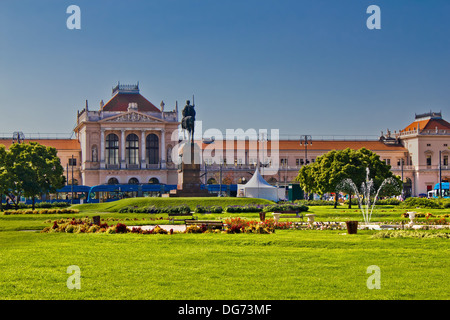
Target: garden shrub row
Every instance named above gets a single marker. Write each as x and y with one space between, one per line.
154 209
410 234
41 211
217 209
208 209
246 208
425 203
38 205
285 207
315 202
379 202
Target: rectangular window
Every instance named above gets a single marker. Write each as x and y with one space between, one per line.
445 162
428 160
72 162
387 161
283 162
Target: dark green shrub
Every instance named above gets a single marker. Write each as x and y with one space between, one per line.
421 203
60 204
388 202
286 207
315 202
247 208
208 209
43 205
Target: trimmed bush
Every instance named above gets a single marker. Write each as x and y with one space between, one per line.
286 207
315 202
247 208
421 203
42 211
208 209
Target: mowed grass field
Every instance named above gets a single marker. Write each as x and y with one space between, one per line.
285 265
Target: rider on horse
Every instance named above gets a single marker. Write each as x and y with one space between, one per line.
188 120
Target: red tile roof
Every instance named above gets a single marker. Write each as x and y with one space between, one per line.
120 101
428 124
319 145
59 144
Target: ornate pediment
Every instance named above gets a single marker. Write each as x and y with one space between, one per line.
134 117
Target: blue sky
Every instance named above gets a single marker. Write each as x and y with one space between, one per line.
304 67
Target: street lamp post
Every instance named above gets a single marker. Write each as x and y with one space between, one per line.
72 179
306 139
440 174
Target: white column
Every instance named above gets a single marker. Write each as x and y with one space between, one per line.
143 162
102 148
163 148
122 150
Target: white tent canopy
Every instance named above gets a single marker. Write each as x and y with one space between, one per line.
257 187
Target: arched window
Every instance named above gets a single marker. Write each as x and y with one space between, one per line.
152 146
153 181
211 181
112 149
113 181
132 149
133 181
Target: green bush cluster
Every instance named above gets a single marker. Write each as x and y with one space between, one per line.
286 207
208 209
59 204
41 211
423 203
410 234
246 208
47 205
154 209
315 202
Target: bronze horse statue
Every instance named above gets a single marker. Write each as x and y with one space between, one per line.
188 121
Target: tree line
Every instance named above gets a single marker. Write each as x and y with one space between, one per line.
327 173
29 170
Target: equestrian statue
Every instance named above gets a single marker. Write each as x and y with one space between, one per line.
188 120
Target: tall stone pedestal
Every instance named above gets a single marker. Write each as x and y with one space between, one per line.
189 173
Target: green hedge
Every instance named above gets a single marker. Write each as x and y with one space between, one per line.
424 203
154 209
246 208
208 209
286 207
315 202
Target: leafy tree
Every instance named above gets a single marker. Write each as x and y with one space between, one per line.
32 170
331 169
4 175
47 166
307 179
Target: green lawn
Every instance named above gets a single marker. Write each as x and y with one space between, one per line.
289 264
160 202
285 265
